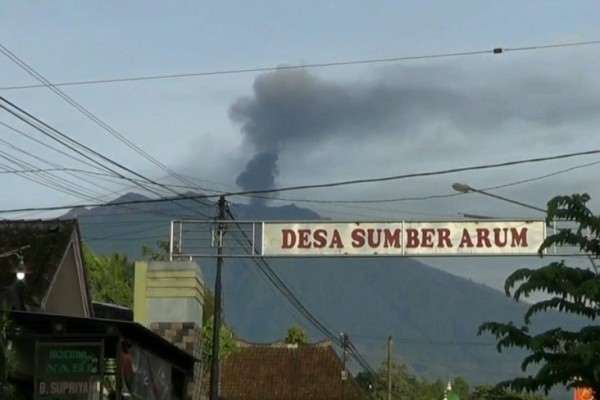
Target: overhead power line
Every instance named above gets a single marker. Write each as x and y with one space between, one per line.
47 176
37 170
321 185
82 149
349 202
435 196
265 268
48 146
94 118
494 51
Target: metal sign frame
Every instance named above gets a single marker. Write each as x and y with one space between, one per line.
191 239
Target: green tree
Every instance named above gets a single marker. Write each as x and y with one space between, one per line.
4 355
428 391
8 361
110 277
405 385
158 253
296 335
490 392
208 305
227 343
564 357
461 388
366 381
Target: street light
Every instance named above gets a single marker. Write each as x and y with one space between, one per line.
464 188
21 270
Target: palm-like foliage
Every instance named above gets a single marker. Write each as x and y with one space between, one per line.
567 358
110 277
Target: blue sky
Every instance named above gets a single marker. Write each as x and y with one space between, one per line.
450 112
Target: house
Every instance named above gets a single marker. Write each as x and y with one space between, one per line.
286 372
61 348
55 278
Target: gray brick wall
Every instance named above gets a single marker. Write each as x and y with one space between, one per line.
187 336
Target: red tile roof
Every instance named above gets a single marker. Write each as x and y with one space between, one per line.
276 372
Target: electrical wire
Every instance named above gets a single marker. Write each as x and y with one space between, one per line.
360 358
72 173
121 234
43 128
325 185
50 181
32 138
432 197
87 149
59 184
494 51
537 178
121 239
283 288
399 340
85 162
94 118
266 269
94 193
38 170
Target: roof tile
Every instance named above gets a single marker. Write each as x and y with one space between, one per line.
305 372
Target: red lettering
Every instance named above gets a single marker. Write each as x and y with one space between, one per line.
427 237
288 239
392 239
518 238
412 238
483 237
498 240
465 240
303 238
336 240
444 238
358 237
373 243
320 238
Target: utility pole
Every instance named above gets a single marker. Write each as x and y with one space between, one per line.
216 339
344 361
389 369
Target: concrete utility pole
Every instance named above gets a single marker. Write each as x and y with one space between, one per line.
216 339
345 341
389 369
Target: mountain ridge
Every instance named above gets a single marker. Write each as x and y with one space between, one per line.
433 315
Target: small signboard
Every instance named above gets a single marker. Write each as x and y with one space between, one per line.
68 370
583 394
461 238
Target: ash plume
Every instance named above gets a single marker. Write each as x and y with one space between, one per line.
293 109
292 112
260 172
